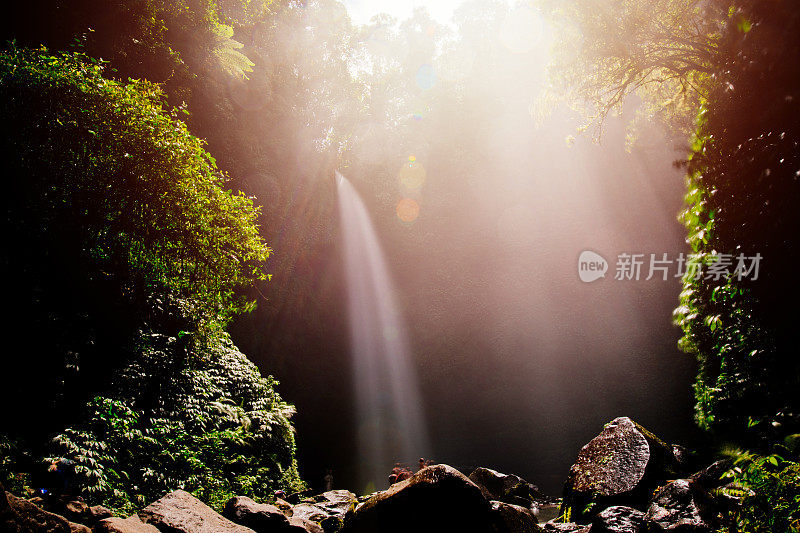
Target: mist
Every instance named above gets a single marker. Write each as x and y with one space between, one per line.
483 196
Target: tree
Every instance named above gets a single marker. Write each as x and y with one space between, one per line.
129 257
609 50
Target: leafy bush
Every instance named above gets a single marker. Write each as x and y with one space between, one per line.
210 425
773 502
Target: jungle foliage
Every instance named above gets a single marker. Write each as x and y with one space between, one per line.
128 258
733 66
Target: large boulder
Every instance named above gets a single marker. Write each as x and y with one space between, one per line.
623 465
682 506
437 498
180 512
509 518
132 524
21 516
617 519
260 517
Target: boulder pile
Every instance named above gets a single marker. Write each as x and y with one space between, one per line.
625 480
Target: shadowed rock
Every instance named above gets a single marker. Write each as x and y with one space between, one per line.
617 519
260 517
437 498
21 516
180 512
623 465
507 488
510 518
682 506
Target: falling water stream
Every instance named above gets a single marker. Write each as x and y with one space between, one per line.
390 415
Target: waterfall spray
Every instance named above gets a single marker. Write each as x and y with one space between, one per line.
390 414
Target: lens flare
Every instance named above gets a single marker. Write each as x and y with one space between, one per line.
407 210
412 175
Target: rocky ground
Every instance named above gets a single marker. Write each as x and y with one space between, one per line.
625 480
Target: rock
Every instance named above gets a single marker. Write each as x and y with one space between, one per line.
682 506
493 483
78 528
686 460
38 501
132 524
98 512
617 519
337 502
714 475
506 487
623 465
284 506
260 517
510 518
547 511
568 527
76 510
180 512
21 516
301 525
437 498
309 512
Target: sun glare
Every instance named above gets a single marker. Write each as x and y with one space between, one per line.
361 11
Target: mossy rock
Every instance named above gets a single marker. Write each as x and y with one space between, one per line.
623 465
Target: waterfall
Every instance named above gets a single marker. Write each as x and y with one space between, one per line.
389 408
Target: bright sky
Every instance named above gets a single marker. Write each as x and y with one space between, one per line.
362 10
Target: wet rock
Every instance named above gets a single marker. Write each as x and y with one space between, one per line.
180 512
437 498
618 519
623 465
510 518
132 524
260 517
682 506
